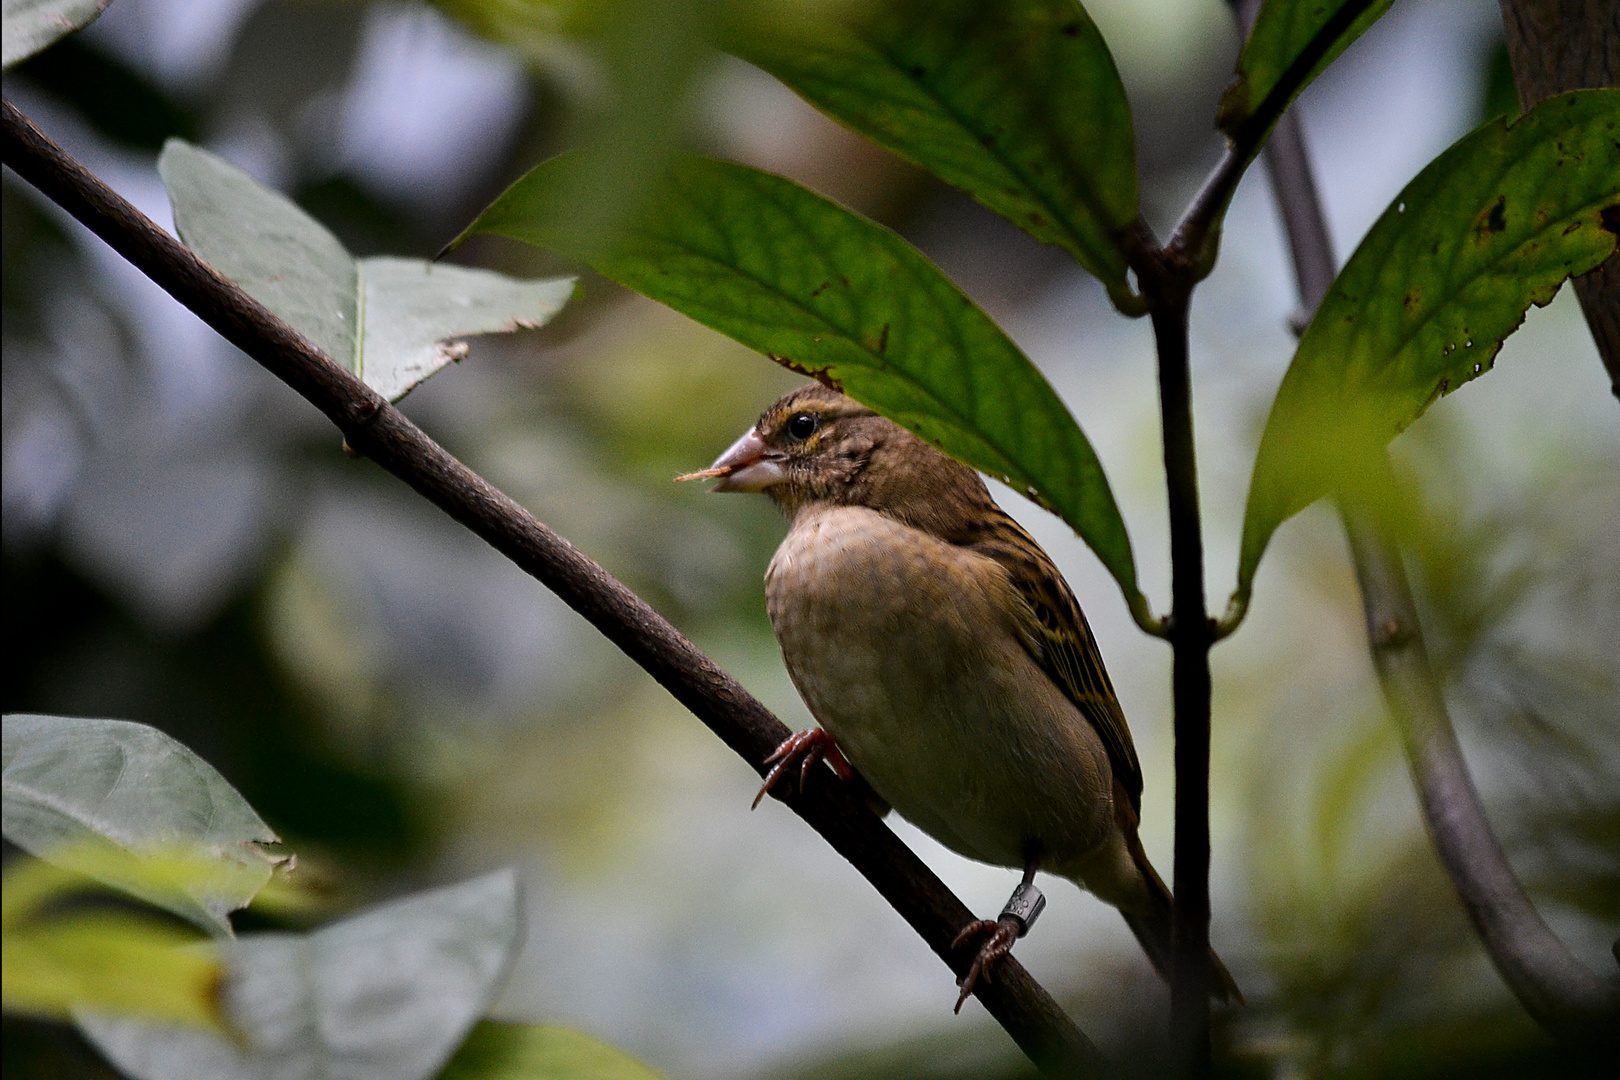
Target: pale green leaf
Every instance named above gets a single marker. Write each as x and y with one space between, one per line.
1490 227
386 995
496 1051
392 321
32 25
832 295
1018 103
105 797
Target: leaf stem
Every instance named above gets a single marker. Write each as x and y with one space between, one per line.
379 431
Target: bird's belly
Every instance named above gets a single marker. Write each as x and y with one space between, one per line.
902 649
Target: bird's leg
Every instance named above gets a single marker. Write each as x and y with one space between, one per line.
806 748
1019 914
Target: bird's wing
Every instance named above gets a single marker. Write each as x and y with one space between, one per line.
1059 639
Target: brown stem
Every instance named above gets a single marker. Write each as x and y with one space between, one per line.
1559 45
1555 988
379 431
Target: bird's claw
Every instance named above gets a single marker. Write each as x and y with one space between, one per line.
1002 935
806 748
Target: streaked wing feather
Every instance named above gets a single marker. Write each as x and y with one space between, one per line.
1061 642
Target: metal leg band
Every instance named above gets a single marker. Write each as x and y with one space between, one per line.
1025 905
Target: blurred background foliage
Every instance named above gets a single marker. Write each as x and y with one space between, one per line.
185 545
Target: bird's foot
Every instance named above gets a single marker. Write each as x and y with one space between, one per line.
1003 933
806 748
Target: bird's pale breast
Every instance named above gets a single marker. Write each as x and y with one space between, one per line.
905 649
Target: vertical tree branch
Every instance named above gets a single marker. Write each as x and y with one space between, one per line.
1556 989
1559 45
1191 635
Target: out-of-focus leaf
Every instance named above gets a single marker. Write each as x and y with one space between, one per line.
1017 103
830 294
496 1051
117 963
1285 51
1488 228
32 25
386 995
391 321
128 805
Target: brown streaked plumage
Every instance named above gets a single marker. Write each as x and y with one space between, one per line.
943 653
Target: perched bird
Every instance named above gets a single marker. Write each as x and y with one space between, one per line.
945 658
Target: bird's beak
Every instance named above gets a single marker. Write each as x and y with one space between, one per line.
745 466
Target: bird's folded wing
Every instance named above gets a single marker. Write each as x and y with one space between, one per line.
1059 639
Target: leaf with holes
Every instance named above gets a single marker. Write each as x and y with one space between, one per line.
391 321
1490 227
1017 103
128 805
1292 41
832 295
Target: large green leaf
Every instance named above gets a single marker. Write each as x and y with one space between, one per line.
107 797
1491 226
386 995
1292 41
31 25
1018 103
832 295
496 1051
391 321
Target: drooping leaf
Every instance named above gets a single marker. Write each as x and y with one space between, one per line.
1292 41
31 25
385 995
391 321
118 962
832 295
1490 227
496 1051
1018 103
130 806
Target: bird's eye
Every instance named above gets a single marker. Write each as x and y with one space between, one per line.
801 426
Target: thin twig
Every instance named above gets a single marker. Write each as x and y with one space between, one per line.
1555 988
1197 237
380 432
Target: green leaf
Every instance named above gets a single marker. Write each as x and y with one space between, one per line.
31 25
128 805
1491 226
827 293
1017 103
116 961
1292 41
496 1051
386 995
391 321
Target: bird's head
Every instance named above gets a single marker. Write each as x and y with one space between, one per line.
816 446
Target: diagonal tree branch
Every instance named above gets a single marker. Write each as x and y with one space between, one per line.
1555 988
1559 45
376 429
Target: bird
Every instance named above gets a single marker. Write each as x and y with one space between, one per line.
947 663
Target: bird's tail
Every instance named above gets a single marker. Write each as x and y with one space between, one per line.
1153 926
